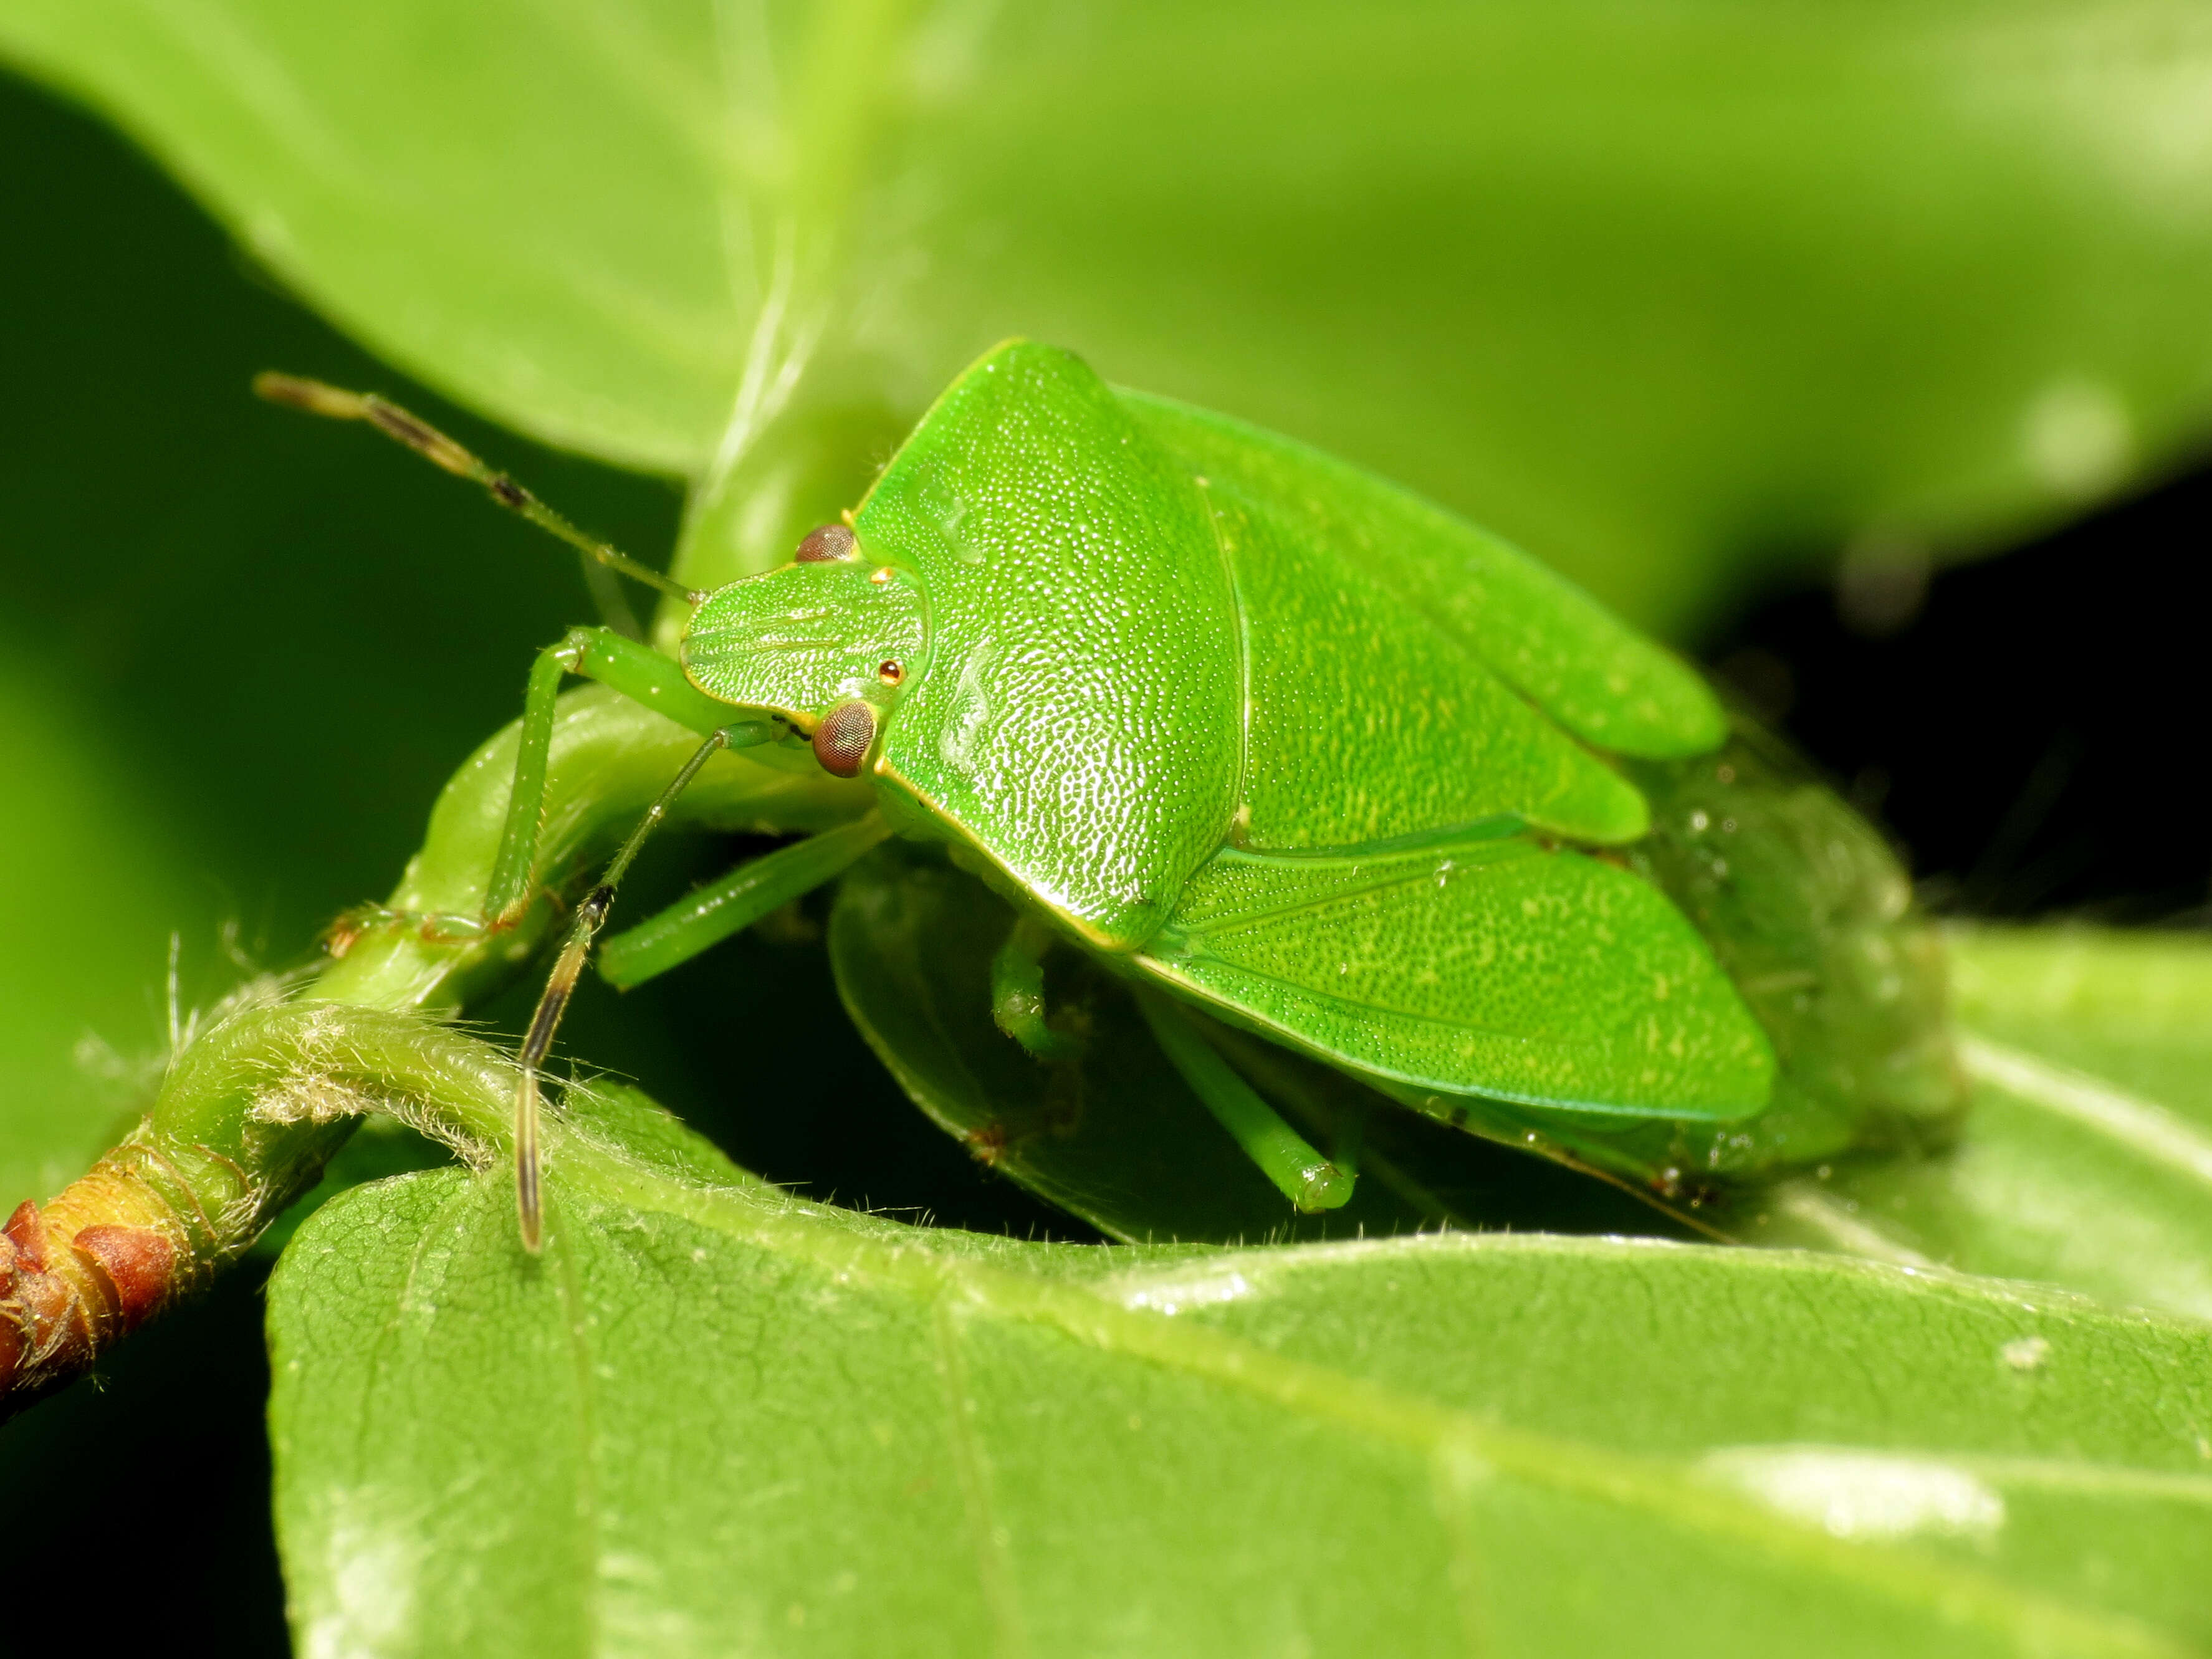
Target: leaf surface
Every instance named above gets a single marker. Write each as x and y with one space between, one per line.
2086 1157
1655 293
710 1417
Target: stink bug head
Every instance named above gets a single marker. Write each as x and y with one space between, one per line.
808 637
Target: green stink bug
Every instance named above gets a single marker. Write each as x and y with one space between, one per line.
1264 737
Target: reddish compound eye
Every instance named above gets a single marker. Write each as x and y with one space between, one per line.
890 673
841 742
831 544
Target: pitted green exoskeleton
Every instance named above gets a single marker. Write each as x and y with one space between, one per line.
1269 738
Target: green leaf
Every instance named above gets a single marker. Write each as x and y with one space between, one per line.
711 1418
1663 294
2086 1157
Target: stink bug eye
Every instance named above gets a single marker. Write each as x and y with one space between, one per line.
829 543
890 673
841 742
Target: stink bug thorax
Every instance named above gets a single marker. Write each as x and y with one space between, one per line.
841 742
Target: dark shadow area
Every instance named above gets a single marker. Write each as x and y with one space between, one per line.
2032 736
145 1491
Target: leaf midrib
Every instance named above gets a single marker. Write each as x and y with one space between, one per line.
2151 1132
994 1573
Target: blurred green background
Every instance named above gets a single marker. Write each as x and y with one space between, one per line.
1689 298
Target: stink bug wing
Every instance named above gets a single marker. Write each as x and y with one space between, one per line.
1553 644
1494 967
1367 718
1079 717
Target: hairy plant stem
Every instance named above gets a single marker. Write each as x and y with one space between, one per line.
251 1109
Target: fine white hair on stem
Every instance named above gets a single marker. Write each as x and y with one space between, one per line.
175 999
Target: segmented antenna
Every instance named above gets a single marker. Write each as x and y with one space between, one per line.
334 403
560 984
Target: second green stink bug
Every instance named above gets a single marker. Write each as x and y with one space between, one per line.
1269 738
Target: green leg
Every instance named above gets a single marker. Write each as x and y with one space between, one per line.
1018 991
1309 1181
638 672
703 918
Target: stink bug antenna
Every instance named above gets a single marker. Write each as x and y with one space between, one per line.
336 403
560 984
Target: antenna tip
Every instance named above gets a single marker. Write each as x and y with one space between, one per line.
529 1206
310 397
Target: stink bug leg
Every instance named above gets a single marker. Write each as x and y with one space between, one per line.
1309 1181
703 918
1017 992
